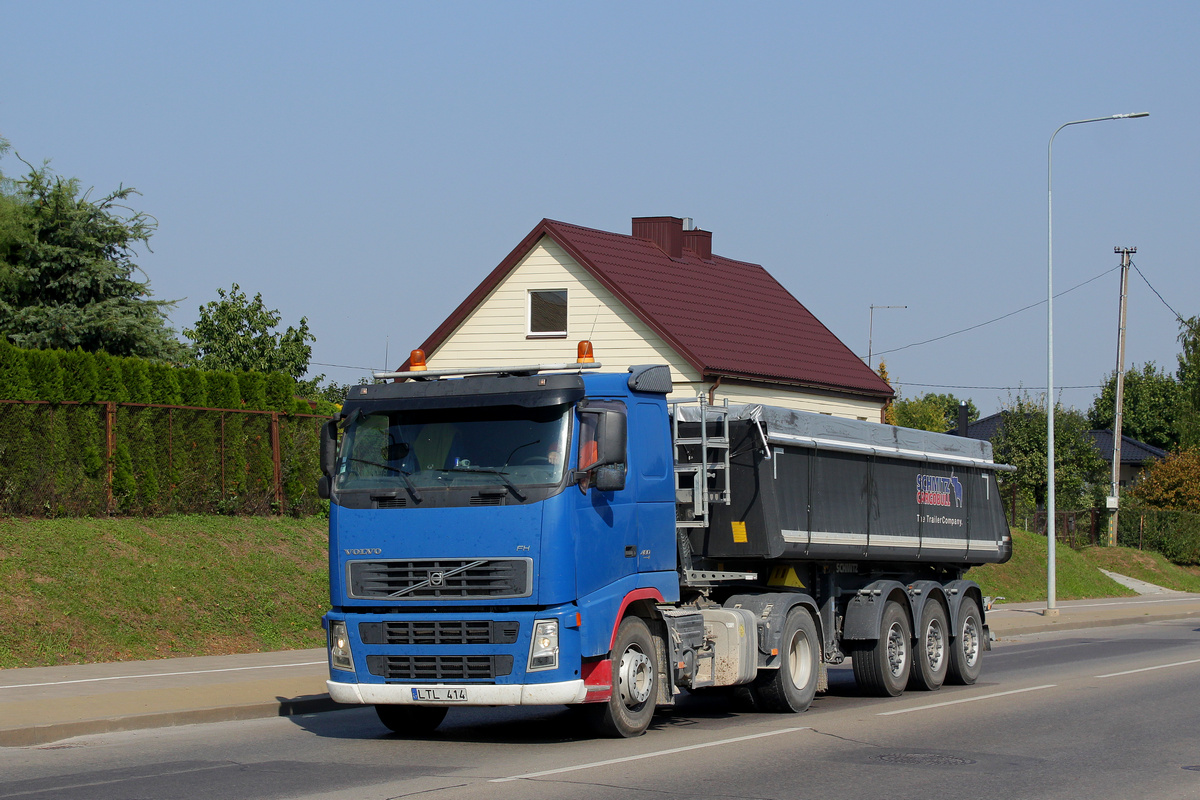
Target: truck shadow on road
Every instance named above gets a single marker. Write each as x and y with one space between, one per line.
514 725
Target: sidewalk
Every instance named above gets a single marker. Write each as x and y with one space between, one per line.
46 704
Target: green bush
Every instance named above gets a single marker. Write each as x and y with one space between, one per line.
110 382
1175 534
81 380
45 374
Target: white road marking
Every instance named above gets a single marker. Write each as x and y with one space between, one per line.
1148 669
966 700
655 754
162 674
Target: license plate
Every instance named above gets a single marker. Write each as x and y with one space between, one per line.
439 695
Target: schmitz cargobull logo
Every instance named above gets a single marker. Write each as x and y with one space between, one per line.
934 490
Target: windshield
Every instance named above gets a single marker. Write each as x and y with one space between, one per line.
411 451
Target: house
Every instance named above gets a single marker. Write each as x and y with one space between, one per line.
656 296
1135 455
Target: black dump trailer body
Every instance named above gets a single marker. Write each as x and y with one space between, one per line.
846 490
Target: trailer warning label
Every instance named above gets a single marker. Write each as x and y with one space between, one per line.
935 490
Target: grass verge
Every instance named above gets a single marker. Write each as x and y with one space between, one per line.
85 590
1023 578
1145 566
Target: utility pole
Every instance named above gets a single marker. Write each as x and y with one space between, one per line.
1114 497
871 331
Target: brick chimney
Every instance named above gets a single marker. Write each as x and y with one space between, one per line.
665 232
699 242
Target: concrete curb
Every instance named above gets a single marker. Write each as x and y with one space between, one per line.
1081 624
57 731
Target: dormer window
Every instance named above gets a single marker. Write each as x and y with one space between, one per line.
546 315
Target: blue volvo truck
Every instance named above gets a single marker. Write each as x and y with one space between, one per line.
554 534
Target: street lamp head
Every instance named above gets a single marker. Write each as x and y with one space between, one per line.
1131 116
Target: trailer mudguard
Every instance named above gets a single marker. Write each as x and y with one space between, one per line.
955 592
865 609
922 592
771 610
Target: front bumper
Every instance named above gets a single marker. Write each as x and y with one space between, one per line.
533 694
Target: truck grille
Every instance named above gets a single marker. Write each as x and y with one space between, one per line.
439 668
439 632
423 579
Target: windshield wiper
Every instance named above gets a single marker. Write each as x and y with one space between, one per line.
412 489
512 487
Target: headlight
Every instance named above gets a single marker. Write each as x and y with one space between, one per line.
543 651
339 646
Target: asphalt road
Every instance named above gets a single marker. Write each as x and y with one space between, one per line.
1106 713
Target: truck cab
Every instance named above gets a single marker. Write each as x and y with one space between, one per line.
486 530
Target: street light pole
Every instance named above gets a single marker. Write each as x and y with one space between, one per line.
1051 607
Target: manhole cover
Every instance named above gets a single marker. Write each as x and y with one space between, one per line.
923 759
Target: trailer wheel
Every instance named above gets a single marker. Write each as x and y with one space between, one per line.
881 667
635 683
410 720
931 656
966 655
791 688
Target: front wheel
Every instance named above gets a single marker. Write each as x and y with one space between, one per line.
635 683
966 655
410 720
792 687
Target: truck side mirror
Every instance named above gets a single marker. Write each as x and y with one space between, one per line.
610 478
328 447
611 432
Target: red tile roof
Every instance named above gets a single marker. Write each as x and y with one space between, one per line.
724 317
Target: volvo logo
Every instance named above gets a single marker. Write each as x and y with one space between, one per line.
437 578
365 551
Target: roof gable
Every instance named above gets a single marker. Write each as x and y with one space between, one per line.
724 317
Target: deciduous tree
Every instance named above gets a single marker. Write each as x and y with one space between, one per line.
932 412
235 333
1079 473
1172 483
1152 409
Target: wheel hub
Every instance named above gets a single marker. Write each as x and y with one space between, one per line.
935 645
897 650
970 642
635 677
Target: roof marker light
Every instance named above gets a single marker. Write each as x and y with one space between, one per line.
416 361
585 353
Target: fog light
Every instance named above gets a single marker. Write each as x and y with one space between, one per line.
339 646
543 651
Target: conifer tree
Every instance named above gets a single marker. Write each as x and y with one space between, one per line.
69 272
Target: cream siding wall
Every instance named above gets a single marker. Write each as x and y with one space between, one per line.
820 404
494 335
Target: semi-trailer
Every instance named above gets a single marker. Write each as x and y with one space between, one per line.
554 534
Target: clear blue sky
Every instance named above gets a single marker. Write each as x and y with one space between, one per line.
367 165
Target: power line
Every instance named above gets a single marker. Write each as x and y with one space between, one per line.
1010 388
340 366
997 319
1160 297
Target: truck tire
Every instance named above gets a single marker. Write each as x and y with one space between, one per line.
410 720
881 667
966 652
635 683
931 655
792 687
